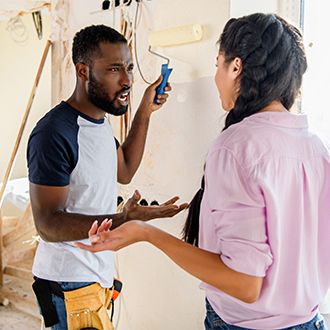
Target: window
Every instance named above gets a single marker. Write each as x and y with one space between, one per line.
316 84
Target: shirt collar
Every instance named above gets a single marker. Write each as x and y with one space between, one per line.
283 119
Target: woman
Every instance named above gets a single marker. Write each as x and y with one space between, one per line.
264 215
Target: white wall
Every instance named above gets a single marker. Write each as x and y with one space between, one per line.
18 69
288 9
239 8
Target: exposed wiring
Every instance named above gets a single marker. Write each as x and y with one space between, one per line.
127 31
127 26
18 31
37 20
135 48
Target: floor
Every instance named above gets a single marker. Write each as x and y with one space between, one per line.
16 320
21 313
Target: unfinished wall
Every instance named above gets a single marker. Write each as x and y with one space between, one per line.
159 295
18 69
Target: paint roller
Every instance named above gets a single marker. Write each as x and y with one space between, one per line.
172 37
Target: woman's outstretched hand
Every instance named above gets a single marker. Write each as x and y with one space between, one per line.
102 239
96 229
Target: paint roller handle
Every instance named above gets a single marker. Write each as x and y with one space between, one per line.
161 88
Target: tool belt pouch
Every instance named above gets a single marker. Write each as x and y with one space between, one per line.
86 307
43 290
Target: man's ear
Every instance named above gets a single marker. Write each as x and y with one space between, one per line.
82 71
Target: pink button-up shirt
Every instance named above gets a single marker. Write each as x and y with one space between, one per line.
266 211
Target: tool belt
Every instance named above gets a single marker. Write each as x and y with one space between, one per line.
85 307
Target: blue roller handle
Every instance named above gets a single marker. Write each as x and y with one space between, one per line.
161 88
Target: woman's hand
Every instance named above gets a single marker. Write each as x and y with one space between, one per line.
95 229
102 239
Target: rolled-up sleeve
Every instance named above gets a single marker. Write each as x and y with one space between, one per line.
238 213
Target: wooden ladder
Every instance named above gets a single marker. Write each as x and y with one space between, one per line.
16 228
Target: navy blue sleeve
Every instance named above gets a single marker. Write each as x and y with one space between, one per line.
52 152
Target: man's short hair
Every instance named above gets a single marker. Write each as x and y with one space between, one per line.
86 42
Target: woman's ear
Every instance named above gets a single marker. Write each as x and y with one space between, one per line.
237 66
82 71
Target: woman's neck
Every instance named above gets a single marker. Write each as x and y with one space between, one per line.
275 106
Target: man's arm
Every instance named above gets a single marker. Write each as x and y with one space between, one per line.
54 224
131 152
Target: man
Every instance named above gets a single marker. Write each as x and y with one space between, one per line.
74 163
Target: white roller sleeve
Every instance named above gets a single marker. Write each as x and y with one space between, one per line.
176 36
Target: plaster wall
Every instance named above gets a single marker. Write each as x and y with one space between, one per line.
18 70
239 8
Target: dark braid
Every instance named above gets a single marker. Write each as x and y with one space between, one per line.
273 63
191 228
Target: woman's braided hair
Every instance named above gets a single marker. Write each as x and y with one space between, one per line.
273 63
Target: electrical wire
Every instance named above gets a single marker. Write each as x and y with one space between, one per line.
18 31
135 48
128 31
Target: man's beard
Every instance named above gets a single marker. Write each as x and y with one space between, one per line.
100 98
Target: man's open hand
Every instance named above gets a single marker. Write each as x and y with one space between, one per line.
134 211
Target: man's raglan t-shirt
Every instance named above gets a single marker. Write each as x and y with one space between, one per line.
68 148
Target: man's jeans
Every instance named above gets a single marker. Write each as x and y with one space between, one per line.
214 322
